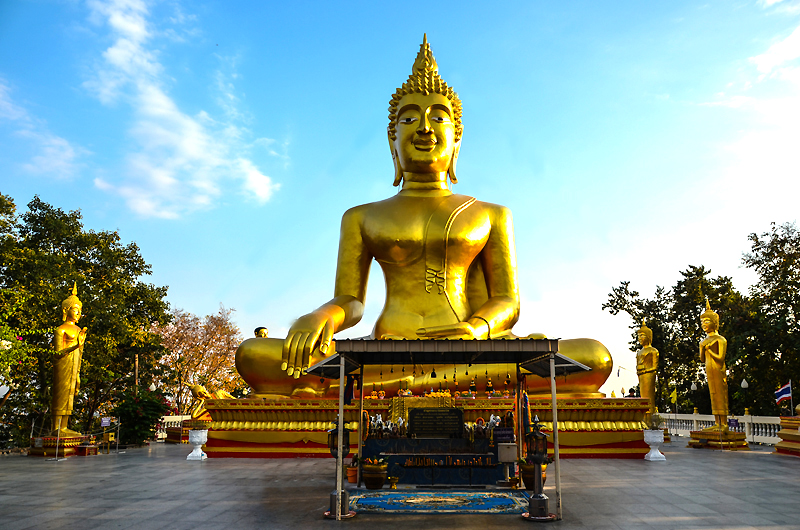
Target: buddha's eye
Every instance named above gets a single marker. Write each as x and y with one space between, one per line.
440 119
408 120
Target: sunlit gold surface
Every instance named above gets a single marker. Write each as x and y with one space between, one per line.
197 410
713 349
68 343
448 260
258 362
646 366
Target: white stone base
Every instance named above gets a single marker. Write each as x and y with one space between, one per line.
197 439
654 438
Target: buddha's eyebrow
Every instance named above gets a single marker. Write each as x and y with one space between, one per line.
410 106
439 106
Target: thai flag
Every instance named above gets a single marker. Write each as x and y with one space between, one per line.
784 393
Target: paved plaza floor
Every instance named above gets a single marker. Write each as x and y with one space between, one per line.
156 487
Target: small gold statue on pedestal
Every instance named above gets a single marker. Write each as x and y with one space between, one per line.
646 366
712 352
68 345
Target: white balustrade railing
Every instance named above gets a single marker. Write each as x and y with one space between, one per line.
168 421
757 429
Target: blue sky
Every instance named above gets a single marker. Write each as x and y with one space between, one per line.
226 139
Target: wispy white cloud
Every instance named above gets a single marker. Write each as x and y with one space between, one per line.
54 155
180 162
779 54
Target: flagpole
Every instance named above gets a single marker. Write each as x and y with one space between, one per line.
791 399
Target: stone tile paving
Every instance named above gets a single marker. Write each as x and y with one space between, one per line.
155 487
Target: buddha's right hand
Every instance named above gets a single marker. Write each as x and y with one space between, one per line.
306 333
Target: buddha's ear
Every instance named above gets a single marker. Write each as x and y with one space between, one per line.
451 171
398 171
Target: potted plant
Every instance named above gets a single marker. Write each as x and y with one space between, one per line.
654 437
527 471
352 470
374 472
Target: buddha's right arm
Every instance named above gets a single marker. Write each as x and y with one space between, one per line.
316 329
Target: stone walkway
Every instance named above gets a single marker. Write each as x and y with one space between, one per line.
156 487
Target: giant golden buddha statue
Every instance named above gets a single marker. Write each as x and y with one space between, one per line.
713 349
449 263
68 345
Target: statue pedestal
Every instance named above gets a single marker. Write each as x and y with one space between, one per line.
728 441
789 435
295 428
47 445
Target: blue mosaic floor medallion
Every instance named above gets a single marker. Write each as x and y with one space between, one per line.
439 501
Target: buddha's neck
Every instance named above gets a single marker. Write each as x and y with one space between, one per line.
424 188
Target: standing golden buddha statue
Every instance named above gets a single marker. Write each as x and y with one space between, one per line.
68 344
713 349
449 260
646 366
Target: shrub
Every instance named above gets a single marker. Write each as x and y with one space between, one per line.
139 414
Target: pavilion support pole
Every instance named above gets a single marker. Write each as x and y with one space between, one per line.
555 433
520 421
360 417
339 455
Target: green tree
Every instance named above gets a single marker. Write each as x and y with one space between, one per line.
674 316
775 337
43 251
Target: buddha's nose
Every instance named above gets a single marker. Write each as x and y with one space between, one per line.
424 124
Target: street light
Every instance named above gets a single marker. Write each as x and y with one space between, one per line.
693 387
744 384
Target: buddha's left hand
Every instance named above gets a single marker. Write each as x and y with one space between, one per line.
460 330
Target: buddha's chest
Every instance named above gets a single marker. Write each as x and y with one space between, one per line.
403 234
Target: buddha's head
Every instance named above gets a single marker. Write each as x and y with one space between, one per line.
709 320
425 122
71 307
645 335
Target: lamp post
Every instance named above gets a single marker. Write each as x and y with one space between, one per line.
748 425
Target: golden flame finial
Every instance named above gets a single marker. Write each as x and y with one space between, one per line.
74 288
425 64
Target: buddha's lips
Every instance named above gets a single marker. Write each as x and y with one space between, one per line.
425 145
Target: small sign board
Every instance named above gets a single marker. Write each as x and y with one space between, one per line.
38 442
503 435
733 423
105 422
436 422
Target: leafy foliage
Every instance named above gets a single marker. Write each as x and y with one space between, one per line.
139 414
761 328
42 252
200 351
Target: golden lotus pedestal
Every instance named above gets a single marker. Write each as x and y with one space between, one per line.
294 428
47 445
728 441
789 435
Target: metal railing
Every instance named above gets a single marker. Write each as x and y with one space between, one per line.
757 429
168 421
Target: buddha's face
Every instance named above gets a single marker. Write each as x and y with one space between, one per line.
425 134
708 325
643 340
74 312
